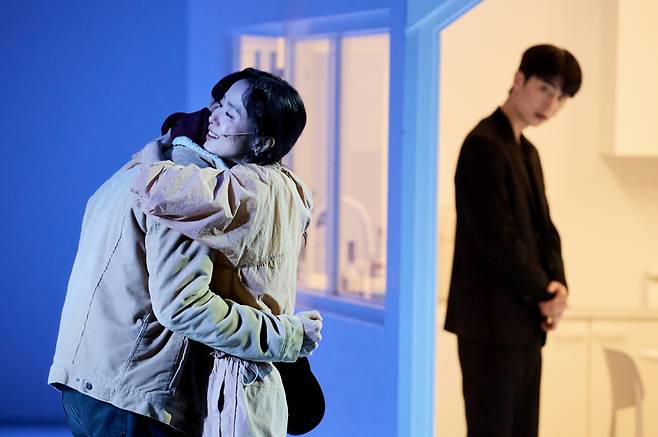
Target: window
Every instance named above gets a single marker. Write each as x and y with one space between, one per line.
363 164
311 156
343 78
263 52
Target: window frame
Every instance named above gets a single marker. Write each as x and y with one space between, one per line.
333 28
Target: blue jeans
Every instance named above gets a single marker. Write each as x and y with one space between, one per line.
89 417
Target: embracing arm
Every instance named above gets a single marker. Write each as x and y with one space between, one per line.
202 203
180 270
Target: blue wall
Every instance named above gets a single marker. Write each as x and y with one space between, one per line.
210 23
353 366
83 85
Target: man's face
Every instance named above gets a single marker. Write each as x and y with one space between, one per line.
535 99
229 117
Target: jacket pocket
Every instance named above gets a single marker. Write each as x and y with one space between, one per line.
177 368
140 335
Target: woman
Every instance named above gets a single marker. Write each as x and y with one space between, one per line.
245 204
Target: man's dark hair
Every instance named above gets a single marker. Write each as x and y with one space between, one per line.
275 108
554 65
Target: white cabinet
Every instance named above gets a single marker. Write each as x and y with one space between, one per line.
575 392
565 384
630 106
576 395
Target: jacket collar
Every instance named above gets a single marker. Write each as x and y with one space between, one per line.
504 127
503 124
186 151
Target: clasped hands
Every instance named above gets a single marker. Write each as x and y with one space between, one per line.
552 309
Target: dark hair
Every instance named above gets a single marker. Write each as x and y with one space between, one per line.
275 108
552 64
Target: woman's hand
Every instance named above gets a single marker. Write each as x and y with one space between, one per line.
312 323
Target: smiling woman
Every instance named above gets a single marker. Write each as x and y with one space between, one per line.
230 131
254 212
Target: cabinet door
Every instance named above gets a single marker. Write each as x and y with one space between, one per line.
629 74
563 406
632 337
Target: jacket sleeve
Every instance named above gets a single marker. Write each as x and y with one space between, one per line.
203 203
180 270
555 253
485 209
554 246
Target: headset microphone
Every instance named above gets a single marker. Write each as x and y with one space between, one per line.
237 134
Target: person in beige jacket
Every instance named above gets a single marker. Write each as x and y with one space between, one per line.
133 353
254 212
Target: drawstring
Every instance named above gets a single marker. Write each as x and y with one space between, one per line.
253 367
249 370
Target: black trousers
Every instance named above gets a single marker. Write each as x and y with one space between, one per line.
501 387
89 417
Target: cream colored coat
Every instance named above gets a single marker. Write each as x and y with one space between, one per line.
255 217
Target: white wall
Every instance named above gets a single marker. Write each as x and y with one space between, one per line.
605 208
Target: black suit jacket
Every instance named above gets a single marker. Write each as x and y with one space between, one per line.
507 249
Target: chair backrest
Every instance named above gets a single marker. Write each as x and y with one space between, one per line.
627 389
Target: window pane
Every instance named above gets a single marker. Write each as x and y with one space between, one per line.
265 53
364 85
312 78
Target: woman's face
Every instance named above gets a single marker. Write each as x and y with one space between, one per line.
230 132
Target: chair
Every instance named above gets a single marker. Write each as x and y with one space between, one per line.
626 384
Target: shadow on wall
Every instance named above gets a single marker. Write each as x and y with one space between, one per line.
637 176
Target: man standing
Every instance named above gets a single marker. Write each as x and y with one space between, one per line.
508 285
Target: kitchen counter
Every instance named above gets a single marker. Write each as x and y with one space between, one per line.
630 314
